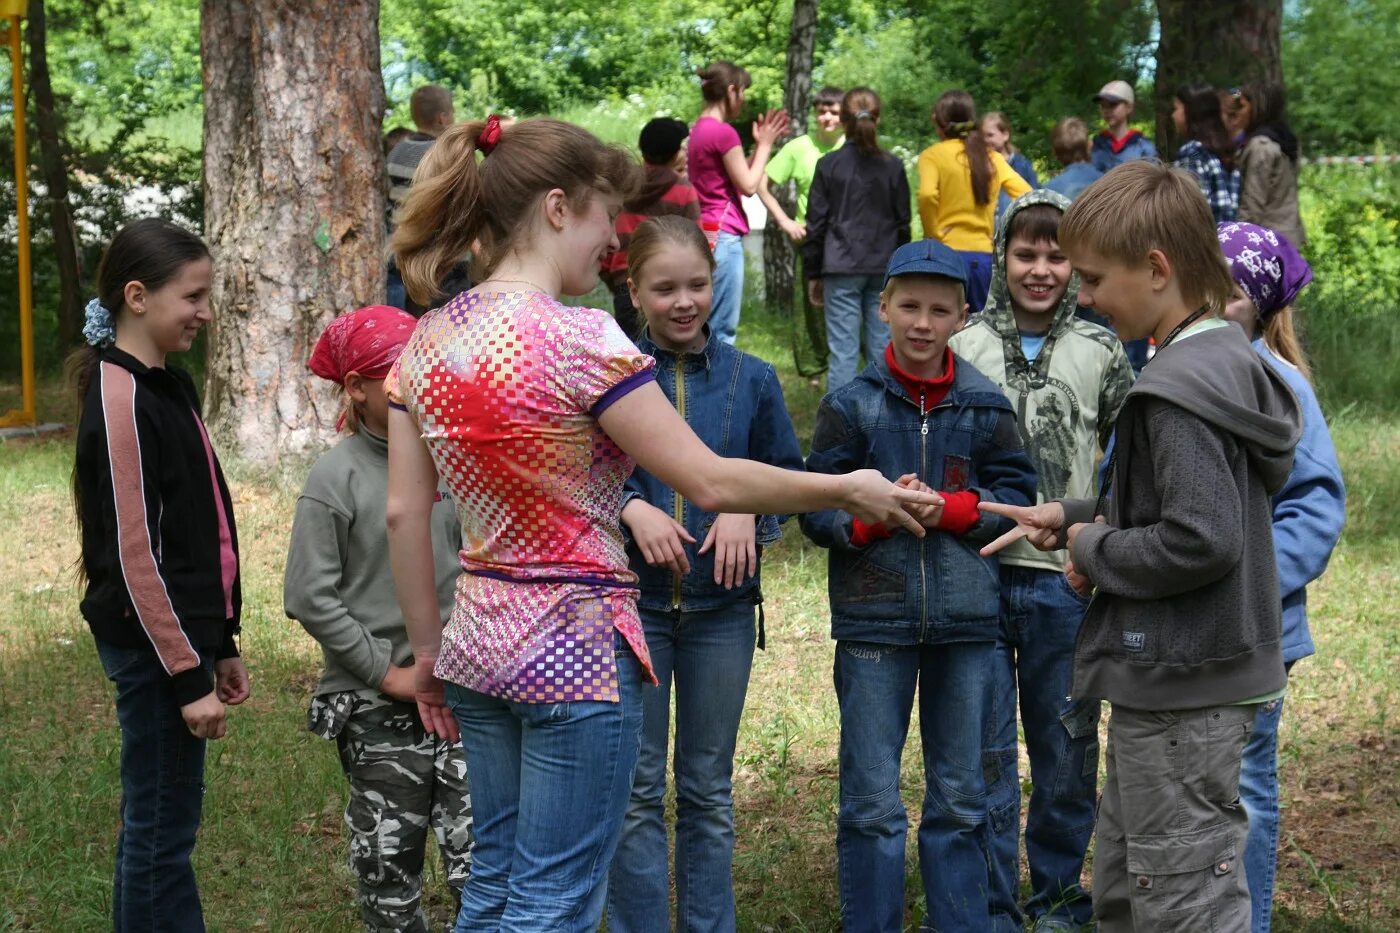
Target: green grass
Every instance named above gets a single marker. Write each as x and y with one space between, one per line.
272 850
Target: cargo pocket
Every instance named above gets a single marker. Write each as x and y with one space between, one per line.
1078 769
1189 882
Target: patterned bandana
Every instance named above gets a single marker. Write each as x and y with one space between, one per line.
367 341
1264 265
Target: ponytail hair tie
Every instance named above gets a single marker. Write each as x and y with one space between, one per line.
863 115
97 325
962 128
490 135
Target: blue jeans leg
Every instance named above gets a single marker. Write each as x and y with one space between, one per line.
875 691
728 293
550 784
395 293
979 279
852 321
1062 742
1259 794
1001 767
954 837
162 771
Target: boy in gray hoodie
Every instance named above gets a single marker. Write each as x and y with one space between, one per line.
1182 633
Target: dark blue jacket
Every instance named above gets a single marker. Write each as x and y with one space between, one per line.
905 590
734 403
1106 160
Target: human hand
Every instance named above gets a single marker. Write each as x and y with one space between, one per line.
875 500
1038 524
231 682
432 701
400 682
1077 581
797 232
927 515
771 127
205 717
660 537
815 292
736 558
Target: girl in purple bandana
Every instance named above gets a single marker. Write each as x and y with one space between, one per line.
1308 514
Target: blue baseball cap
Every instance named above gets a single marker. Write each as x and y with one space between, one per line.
927 257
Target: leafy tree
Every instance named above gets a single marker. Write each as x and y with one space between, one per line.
1339 60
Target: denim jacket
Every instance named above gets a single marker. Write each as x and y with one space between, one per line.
904 590
734 403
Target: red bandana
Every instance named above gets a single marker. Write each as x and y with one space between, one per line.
367 341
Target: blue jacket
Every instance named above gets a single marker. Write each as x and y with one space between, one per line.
904 590
734 403
1308 512
1074 179
1106 160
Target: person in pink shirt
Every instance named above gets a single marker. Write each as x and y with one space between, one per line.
721 174
532 413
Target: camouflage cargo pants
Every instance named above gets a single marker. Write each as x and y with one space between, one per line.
403 782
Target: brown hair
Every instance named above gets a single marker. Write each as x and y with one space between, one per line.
1036 223
1204 122
1069 140
716 77
1145 205
426 102
860 112
828 96
653 235
955 115
1281 336
457 205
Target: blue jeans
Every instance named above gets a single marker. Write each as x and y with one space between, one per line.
979 279
162 768
728 289
395 292
852 306
1259 794
549 784
707 655
875 686
1040 617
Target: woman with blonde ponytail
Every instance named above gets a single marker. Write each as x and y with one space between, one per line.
531 413
1307 521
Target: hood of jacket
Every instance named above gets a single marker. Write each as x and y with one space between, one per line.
998 314
1217 376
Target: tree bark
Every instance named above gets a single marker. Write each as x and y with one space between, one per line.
1225 42
55 172
294 207
779 257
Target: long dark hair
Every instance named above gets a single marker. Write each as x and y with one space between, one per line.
151 251
860 112
1268 117
1203 121
956 116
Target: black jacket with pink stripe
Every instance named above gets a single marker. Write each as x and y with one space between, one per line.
160 548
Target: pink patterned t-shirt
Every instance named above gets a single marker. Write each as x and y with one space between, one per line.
507 388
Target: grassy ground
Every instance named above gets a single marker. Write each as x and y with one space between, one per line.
272 851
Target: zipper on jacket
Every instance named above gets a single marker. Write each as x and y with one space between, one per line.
678 504
923 542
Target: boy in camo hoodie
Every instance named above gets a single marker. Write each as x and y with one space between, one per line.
1066 378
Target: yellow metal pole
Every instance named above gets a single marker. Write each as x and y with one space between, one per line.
25 415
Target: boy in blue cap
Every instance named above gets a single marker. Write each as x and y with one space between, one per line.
910 613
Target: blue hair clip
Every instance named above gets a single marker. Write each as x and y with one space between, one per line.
97 326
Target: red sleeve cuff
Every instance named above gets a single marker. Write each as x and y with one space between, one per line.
863 535
959 511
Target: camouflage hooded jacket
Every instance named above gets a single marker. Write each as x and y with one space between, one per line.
1066 400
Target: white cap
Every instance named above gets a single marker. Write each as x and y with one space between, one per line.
1115 91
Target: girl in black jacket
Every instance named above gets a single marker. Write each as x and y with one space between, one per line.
160 558
857 215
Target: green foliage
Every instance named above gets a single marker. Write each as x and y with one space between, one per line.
1352 218
1341 90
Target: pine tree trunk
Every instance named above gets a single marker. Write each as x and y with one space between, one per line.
779 257
1226 42
55 171
294 207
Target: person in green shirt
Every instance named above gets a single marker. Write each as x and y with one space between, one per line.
797 162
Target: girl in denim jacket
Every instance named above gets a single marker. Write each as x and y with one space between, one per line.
697 603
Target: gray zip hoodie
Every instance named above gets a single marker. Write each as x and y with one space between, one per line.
1186 612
